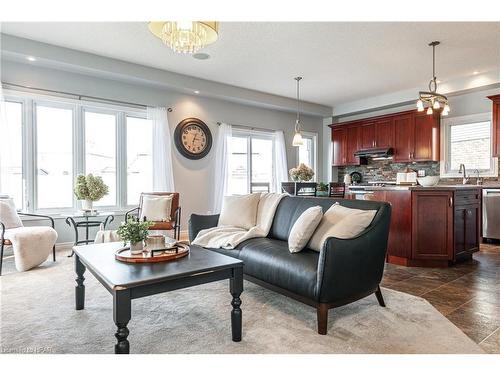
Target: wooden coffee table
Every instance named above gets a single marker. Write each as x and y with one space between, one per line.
126 281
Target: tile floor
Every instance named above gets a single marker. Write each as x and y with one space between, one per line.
468 294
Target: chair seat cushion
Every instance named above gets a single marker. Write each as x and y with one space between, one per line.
31 245
269 260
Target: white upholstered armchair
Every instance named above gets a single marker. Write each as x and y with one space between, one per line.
31 245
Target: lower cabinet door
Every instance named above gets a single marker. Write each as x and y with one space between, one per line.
472 228
432 225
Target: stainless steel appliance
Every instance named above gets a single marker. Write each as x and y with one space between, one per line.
491 213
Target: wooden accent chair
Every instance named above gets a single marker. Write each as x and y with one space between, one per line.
336 190
175 212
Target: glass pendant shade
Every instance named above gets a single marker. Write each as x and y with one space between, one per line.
185 36
436 105
297 139
420 105
429 111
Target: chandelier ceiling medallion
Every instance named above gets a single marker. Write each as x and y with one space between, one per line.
432 98
186 36
297 137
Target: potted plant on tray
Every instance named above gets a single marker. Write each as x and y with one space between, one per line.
89 189
322 190
134 232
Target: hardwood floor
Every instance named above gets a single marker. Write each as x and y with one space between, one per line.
468 294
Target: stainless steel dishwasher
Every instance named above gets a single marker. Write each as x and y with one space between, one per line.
491 213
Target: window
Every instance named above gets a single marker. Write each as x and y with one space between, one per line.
139 158
251 162
52 140
100 151
467 140
307 153
12 153
54 157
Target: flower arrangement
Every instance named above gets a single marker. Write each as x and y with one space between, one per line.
90 188
301 173
134 231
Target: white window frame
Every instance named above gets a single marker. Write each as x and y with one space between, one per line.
29 100
314 137
446 124
257 134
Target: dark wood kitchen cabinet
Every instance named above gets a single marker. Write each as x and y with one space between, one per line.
496 124
432 225
339 145
414 136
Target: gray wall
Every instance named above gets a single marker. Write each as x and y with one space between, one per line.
193 179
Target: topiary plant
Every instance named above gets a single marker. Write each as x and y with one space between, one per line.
90 187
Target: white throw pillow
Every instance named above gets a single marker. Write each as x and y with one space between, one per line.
8 214
156 207
341 222
303 228
240 211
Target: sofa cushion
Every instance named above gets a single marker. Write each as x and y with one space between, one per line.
240 211
303 228
269 260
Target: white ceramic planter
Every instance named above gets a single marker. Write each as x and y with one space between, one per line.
136 248
87 205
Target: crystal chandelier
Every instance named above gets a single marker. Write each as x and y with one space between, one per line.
297 137
433 100
185 36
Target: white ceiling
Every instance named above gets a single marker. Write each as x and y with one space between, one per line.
340 62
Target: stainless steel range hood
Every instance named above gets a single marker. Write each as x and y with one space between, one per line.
375 153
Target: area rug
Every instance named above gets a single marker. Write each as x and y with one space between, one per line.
38 315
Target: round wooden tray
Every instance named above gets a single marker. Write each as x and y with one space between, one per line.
124 255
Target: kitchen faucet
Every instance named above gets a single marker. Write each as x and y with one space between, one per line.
479 180
460 170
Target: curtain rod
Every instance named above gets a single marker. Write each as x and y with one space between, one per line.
248 127
79 96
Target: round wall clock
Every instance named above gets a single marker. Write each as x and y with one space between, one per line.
193 138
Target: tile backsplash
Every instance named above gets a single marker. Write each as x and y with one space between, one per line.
386 170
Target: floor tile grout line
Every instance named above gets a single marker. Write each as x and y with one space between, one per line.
495 330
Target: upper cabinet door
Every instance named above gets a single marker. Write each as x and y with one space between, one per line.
403 138
384 130
496 124
368 136
352 144
426 137
339 141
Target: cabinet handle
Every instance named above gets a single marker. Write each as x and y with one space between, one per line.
451 201
409 155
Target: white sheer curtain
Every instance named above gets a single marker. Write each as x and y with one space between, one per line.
221 176
5 148
281 174
163 174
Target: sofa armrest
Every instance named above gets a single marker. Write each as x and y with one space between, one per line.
355 266
2 232
52 224
199 222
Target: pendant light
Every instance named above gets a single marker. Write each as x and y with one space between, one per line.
297 138
432 98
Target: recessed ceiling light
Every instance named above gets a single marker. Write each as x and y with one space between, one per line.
30 58
196 92
475 72
201 56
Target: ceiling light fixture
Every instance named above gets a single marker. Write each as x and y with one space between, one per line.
196 92
31 58
475 72
185 36
432 98
297 137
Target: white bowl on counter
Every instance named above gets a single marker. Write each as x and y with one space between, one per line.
428 180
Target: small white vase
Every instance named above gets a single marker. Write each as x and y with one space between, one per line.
136 248
87 205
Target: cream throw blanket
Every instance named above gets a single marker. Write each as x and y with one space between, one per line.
228 237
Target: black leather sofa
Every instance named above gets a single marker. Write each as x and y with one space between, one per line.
345 270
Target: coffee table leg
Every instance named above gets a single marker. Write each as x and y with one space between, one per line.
80 288
236 288
121 316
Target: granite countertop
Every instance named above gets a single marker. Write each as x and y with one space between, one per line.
418 187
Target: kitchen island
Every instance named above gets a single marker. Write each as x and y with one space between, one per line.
430 226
